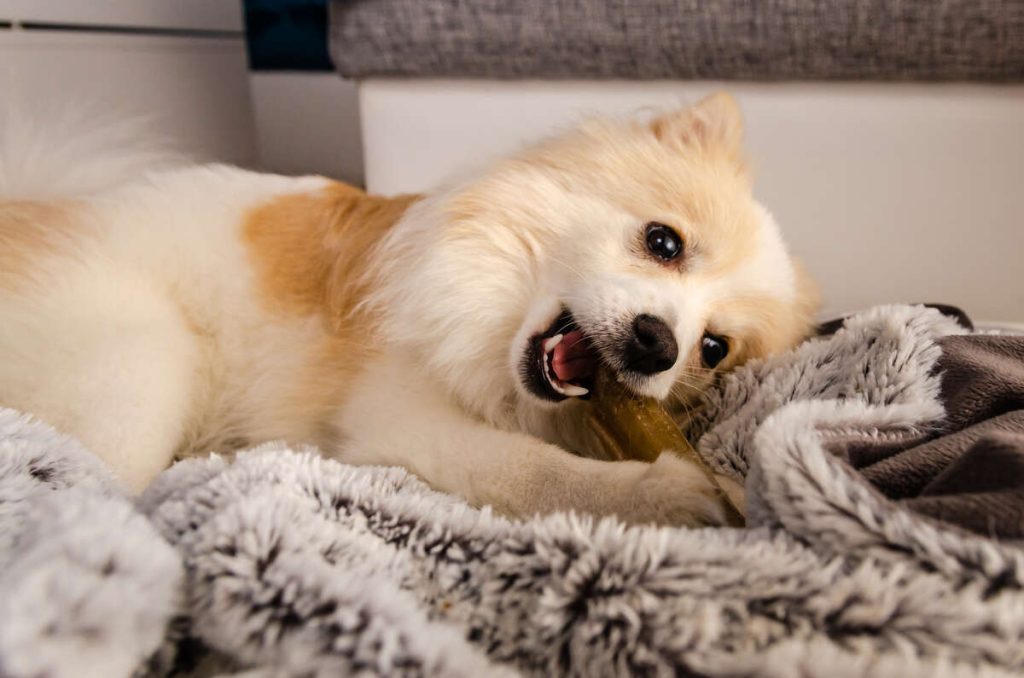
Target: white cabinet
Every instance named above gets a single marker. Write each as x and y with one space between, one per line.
211 15
180 63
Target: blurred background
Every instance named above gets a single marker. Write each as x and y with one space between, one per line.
887 136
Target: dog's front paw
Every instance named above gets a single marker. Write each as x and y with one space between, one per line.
674 491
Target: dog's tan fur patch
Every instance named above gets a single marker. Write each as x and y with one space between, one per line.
311 250
29 232
311 253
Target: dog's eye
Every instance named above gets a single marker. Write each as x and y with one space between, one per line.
713 349
663 242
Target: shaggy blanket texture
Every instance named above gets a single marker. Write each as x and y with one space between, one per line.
283 563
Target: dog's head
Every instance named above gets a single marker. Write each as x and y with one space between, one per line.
636 245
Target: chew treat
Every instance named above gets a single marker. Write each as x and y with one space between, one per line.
626 426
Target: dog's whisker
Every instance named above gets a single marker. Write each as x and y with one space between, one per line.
568 266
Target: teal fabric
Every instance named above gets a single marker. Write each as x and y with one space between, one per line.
287 35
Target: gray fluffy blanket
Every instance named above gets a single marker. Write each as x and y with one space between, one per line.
283 563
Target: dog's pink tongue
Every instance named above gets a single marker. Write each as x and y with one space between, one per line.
572 358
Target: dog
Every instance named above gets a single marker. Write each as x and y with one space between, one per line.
192 309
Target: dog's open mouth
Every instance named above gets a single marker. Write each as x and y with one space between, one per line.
560 362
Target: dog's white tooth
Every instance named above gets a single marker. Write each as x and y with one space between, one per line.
547 373
551 342
573 391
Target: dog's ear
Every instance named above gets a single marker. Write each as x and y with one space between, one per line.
714 124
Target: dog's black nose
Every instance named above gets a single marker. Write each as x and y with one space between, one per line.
652 348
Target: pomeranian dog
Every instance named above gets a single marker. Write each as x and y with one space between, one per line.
208 308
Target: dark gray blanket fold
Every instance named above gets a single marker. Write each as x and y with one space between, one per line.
972 473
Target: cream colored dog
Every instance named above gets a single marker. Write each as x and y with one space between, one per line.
208 308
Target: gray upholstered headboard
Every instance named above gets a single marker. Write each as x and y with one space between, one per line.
981 40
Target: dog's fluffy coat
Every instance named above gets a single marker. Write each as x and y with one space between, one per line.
205 308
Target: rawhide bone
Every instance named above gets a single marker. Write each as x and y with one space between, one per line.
627 426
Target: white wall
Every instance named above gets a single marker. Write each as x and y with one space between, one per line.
888 192
308 123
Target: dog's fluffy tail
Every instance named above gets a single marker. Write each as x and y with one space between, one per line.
73 152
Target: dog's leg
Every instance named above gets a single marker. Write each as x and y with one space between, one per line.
395 418
98 358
